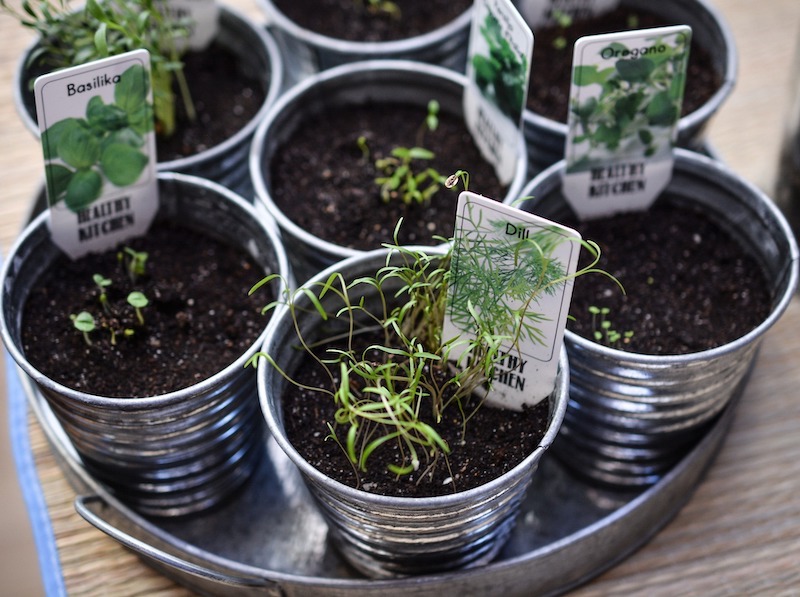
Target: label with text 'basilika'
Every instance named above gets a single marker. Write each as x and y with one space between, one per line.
96 122
511 277
625 103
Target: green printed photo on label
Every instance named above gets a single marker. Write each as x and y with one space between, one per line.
625 103
498 69
96 122
511 281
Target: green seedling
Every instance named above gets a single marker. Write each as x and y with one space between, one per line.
135 262
138 301
501 76
431 122
603 330
564 21
84 323
381 7
101 282
458 176
401 181
364 147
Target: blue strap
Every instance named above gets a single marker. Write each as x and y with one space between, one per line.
43 536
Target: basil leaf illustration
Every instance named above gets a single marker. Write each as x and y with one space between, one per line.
125 136
105 117
78 147
58 178
51 138
122 164
84 187
130 94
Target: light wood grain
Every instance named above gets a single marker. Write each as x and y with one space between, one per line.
740 531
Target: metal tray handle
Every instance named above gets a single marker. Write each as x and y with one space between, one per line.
95 510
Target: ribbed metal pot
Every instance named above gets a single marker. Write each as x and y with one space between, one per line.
351 84
386 536
546 138
306 52
632 416
257 56
175 453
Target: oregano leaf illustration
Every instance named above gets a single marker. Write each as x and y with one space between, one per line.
661 111
122 164
636 70
84 188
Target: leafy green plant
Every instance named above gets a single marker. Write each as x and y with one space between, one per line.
403 179
82 153
69 37
381 391
637 93
603 330
501 75
138 301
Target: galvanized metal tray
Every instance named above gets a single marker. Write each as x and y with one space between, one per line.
269 538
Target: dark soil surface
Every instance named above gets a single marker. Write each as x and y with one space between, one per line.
224 98
496 441
354 21
199 319
324 183
689 286
548 93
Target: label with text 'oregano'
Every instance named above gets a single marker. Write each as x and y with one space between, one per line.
510 284
96 122
498 69
625 103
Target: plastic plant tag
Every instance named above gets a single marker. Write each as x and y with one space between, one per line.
542 13
201 18
498 68
625 102
96 122
510 280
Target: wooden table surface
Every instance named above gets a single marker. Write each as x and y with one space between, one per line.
740 531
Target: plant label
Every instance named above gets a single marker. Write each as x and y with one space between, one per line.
625 103
201 18
498 68
99 150
511 282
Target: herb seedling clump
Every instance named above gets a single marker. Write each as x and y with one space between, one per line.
379 360
72 36
197 318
